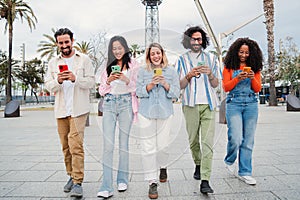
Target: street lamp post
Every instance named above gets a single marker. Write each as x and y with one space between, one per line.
225 34
23 68
218 42
207 26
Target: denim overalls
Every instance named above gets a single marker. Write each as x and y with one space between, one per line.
241 117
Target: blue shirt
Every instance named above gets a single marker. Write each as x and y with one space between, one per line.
157 103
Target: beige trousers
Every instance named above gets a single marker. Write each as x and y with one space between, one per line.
71 134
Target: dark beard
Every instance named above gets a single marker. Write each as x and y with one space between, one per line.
197 49
66 53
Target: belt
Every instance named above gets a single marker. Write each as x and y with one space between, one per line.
117 95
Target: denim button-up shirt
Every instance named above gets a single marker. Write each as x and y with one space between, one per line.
157 103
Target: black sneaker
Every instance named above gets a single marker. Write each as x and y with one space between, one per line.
76 191
153 191
197 173
205 188
68 186
163 175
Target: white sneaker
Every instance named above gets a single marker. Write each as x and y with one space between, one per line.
105 194
122 187
248 179
231 168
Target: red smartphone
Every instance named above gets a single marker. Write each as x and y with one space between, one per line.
63 68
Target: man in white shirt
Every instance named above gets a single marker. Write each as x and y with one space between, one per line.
70 77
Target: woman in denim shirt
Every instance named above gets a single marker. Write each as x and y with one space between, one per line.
118 89
241 104
156 93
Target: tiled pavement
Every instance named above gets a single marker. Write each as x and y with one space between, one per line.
31 161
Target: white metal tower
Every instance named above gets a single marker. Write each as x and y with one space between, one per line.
151 21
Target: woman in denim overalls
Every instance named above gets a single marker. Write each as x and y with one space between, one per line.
242 83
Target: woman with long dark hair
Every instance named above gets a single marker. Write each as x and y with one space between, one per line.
117 85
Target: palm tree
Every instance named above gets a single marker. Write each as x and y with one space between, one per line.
48 48
11 10
269 15
135 50
223 54
84 47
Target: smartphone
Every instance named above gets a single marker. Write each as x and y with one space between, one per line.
115 69
157 71
201 63
246 69
63 68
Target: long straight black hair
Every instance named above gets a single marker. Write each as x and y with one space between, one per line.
111 59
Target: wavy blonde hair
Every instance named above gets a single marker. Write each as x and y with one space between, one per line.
148 61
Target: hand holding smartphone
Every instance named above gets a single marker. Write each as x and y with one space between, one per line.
199 66
115 69
247 69
63 68
157 71
201 63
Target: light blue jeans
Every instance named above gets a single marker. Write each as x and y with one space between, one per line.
116 108
241 122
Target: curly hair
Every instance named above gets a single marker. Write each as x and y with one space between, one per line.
186 40
255 59
111 59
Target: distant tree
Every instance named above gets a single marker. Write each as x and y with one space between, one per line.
48 48
268 6
289 64
135 50
216 53
84 47
11 10
3 70
31 77
98 52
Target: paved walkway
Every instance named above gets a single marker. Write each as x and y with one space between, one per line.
31 162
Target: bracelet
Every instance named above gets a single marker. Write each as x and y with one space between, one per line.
186 77
107 83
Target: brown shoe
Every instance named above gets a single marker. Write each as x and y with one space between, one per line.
153 191
163 175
